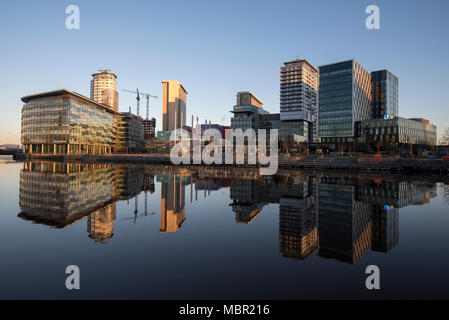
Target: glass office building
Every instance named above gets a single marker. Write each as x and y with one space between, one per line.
385 95
246 117
389 134
247 111
130 134
65 122
269 121
344 98
295 132
299 96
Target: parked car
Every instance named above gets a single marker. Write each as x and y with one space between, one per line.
446 158
377 156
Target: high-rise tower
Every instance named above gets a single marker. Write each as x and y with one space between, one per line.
103 88
385 95
344 98
173 105
299 99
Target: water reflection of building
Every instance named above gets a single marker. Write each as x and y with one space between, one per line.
128 181
342 217
298 233
59 194
100 223
396 194
344 223
386 197
172 201
385 228
358 214
247 202
250 196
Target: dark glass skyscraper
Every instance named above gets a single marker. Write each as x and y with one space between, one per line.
385 94
344 98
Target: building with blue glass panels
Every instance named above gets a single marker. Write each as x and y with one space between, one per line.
384 86
396 135
65 122
344 98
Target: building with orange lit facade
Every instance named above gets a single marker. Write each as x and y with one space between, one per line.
65 122
298 102
172 202
100 223
103 89
173 105
59 193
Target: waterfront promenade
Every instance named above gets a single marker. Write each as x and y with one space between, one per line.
354 163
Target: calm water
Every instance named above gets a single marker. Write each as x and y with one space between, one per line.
153 232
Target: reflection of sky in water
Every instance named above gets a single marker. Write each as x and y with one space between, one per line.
293 236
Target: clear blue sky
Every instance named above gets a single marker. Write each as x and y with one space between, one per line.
216 48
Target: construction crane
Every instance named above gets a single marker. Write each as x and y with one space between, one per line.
146 95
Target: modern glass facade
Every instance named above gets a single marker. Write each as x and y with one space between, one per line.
130 134
387 133
269 121
247 111
385 94
243 121
299 93
295 131
344 97
62 122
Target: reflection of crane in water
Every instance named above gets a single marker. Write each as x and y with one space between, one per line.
135 208
148 185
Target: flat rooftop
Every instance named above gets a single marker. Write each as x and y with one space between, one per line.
301 61
61 92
